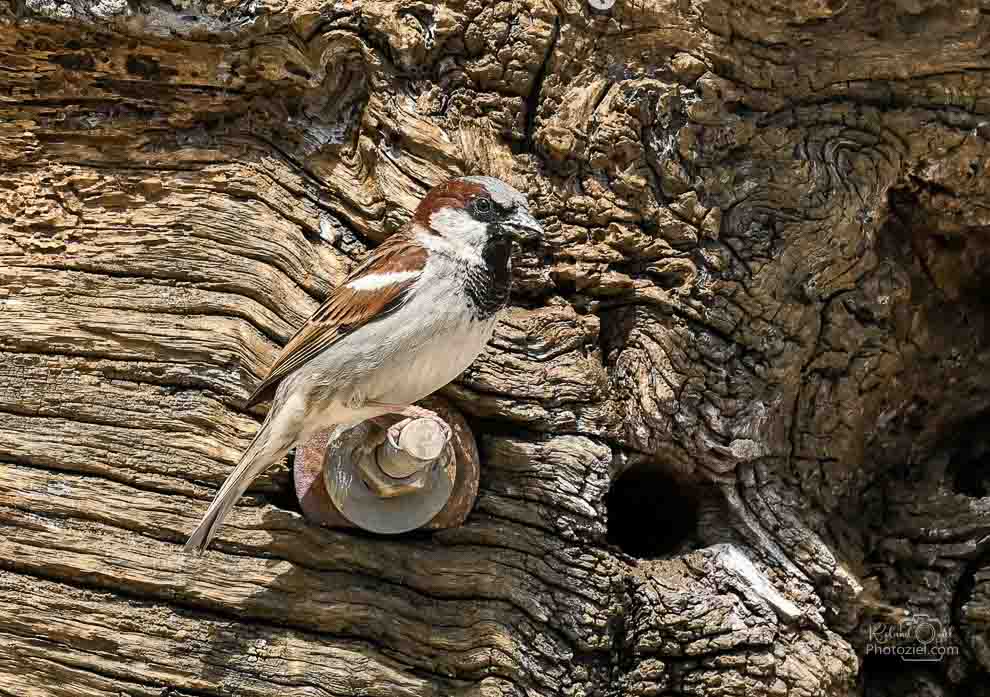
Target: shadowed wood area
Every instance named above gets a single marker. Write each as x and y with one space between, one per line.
733 425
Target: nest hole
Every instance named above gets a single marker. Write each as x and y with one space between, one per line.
969 461
897 676
651 515
971 477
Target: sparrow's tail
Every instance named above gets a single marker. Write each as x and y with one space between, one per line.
269 445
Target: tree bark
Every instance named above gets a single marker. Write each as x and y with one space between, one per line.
735 425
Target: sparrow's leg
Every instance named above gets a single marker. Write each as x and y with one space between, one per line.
410 412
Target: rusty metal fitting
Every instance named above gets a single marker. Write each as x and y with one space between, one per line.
391 475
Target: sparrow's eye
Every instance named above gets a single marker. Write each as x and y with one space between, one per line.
483 207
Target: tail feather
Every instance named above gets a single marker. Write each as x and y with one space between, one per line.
259 456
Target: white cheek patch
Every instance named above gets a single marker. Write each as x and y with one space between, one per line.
447 247
460 229
376 281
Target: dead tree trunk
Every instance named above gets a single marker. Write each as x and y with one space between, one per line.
735 427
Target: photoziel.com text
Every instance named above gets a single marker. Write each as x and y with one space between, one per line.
917 638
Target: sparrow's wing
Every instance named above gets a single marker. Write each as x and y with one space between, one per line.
374 289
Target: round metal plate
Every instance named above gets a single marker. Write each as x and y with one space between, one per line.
357 503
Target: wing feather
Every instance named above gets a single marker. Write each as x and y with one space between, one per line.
349 308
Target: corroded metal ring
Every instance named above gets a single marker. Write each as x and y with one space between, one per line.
356 501
313 481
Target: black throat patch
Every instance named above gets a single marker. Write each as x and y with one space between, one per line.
488 285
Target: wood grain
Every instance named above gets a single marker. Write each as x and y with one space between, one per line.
765 266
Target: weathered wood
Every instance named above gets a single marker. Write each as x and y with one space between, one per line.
97 642
762 296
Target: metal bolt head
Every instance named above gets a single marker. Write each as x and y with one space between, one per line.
385 486
320 500
372 500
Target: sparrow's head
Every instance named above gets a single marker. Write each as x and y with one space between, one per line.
471 212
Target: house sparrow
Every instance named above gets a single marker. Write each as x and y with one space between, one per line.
406 322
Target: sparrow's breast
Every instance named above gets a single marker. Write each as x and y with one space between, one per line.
414 351
437 361
429 354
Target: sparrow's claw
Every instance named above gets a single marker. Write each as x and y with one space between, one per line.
424 441
411 412
414 412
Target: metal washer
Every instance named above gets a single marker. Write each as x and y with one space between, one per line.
357 503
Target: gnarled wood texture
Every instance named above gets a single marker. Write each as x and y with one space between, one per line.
735 419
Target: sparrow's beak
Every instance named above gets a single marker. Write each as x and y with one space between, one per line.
524 226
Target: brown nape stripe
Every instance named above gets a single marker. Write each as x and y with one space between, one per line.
455 194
